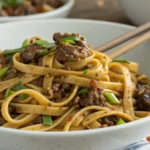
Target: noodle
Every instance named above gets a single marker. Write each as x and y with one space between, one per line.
67 86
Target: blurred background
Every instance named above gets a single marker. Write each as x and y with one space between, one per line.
108 10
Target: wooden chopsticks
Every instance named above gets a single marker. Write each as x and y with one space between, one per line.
143 33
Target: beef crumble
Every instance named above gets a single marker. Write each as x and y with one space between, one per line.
38 82
93 97
67 52
143 97
31 53
12 74
108 121
60 91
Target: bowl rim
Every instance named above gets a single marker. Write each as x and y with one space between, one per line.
67 5
81 132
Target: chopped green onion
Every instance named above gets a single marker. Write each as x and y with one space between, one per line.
71 39
45 44
23 96
18 86
25 43
122 61
83 91
3 71
148 84
70 42
46 52
85 71
47 120
120 121
14 51
111 98
8 93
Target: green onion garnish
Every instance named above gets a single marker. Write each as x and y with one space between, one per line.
71 39
70 42
8 93
83 91
111 98
25 43
47 120
148 84
46 52
13 3
45 44
14 51
18 86
85 71
3 71
23 96
122 61
120 121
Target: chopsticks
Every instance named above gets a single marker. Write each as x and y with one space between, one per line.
128 47
143 31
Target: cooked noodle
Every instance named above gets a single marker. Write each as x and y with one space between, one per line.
71 92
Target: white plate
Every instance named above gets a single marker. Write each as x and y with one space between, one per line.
97 33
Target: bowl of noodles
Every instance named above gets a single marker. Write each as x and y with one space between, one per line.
16 10
57 92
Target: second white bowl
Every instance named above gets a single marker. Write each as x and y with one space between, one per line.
61 12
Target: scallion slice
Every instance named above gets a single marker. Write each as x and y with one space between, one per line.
25 43
120 121
23 96
46 52
18 86
85 71
14 51
47 120
3 71
148 84
8 93
45 44
111 98
121 61
83 91
71 39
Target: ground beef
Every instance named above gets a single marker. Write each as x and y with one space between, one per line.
38 82
81 42
37 120
24 10
31 53
143 97
54 3
2 60
93 97
37 2
60 90
12 74
67 52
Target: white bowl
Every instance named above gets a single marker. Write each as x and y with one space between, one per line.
61 12
137 10
97 33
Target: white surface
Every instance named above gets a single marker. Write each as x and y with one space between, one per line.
97 33
138 11
61 12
